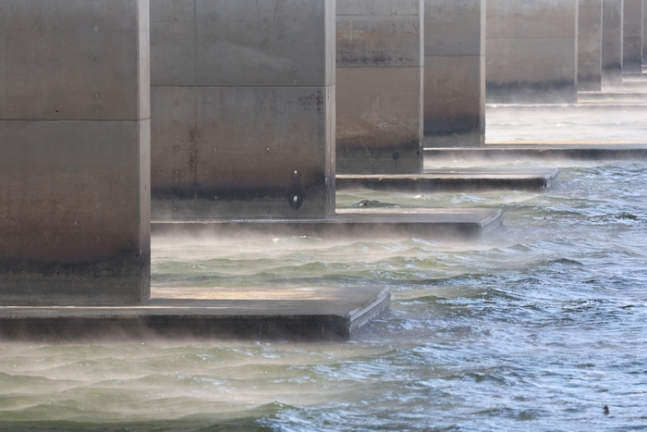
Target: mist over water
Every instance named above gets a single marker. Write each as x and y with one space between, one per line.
536 327
566 124
618 115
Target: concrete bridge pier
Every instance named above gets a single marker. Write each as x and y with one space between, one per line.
379 86
74 140
632 48
243 116
644 32
589 52
612 40
454 88
531 51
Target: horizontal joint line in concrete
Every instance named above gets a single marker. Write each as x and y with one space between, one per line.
533 38
381 67
72 120
250 86
363 15
454 55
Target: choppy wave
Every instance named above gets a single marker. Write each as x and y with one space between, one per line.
536 327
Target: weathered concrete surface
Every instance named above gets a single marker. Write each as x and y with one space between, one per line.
454 85
241 151
379 86
379 120
612 40
72 60
531 51
632 36
362 223
74 139
242 109
455 180
589 51
220 43
311 314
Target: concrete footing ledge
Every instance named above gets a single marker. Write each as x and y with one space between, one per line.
533 152
455 180
206 314
387 223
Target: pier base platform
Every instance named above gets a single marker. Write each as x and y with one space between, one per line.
455 180
506 153
617 97
359 224
205 314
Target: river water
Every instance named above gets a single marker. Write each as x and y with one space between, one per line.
536 327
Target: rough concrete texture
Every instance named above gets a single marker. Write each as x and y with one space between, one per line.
379 86
632 47
589 52
74 139
261 313
379 120
531 51
612 40
241 152
224 43
379 33
454 83
72 60
242 109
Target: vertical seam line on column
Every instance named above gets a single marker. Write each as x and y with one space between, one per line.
195 100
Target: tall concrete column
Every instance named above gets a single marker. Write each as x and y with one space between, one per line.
242 109
645 32
589 75
612 40
454 106
633 36
379 86
531 50
74 140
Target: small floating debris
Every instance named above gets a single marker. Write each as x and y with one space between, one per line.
373 204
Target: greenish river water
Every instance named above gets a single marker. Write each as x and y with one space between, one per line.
536 327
